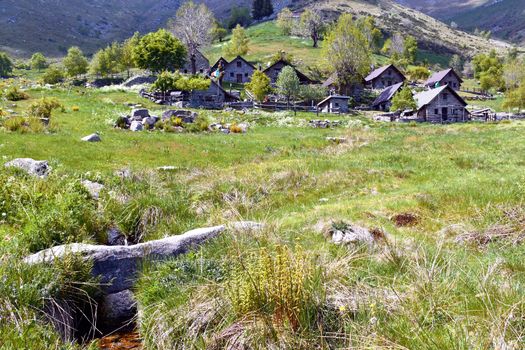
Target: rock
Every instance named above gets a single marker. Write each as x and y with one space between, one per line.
336 139
124 174
119 266
33 167
115 237
244 127
140 80
186 116
167 168
92 138
246 226
116 311
94 188
139 114
136 126
225 131
148 122
353 234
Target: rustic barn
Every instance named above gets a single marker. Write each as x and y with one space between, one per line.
441 105
201 64
384 77
445 77
384 100
214 97
273 72
334 104
354 90
238 71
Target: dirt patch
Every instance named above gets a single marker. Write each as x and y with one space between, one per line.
405 219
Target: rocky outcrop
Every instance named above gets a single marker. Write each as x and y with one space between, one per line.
33 167
140 80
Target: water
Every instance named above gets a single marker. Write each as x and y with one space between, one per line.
121 341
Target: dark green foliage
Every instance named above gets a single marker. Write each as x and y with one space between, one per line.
6 65
239 15
14 94
261 9
159 51
53 75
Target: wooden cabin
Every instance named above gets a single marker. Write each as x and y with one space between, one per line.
273 72
384 101
441 105
445 77
384 77
334 104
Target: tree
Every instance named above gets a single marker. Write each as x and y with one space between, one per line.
515 98
371 32
193 25
410 49
397 46
288 83
313 93
311 25
418 73
285 21
456 63
259 85
75 62
514 74
127 62
218 33
107 61
347 51
238 44
281 56
403 100
168 81
38 61
267 9
159 51
489 70
53 75
239 15
6 65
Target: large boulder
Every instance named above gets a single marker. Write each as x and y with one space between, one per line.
140 80
139 113
116 311
92 138
348 234
33 167
136 126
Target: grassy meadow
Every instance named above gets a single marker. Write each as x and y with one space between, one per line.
451 276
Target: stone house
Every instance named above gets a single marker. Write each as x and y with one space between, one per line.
214 97
384 101
238 71
273 72
334 104
201 63
220 62
354 90
384 77
441 105
445 77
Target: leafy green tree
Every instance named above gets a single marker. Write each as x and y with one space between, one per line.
285 21
166 81
6 65
239 16
288 84
38 61
159 51
410 49
514 73
107 61
489 70
259 85
313 93
311 25
418 73
282 56
127 60
75 62
347 51
192 83
53 75
403 100
372 33
238 44
218 33
515 98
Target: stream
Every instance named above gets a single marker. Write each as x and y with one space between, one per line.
121 341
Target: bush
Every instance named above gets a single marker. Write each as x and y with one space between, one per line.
200 124
14 94
236 129
43 108
75 108
53 75
15 123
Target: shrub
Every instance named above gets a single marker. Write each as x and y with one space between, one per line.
14 94
53 75
15 123
43 108
236 129
200 124
286 286
75 108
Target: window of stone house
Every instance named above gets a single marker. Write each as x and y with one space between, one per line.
436 111
239 64
445 96
231 74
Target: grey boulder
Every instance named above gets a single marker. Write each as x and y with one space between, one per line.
139 113
33 167
92 138
136 126
94 188
116 311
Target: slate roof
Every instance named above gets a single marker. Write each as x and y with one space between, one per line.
216 65
426 97
300 75
242 59
387 94
330 81
438 76
379 71
331 97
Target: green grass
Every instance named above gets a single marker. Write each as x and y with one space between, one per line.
421 290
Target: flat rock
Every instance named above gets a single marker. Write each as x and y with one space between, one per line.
139 113
94 188
92 138
136 126
33 167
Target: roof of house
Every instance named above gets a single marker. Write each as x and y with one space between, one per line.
300 75
387 94
330 81
216 65
332 97
242 59
426 97
222 89
379 71
438 76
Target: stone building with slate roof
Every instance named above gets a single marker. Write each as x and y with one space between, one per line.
445 77
441 105
384 77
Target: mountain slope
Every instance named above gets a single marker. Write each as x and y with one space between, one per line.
503 17
51 26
